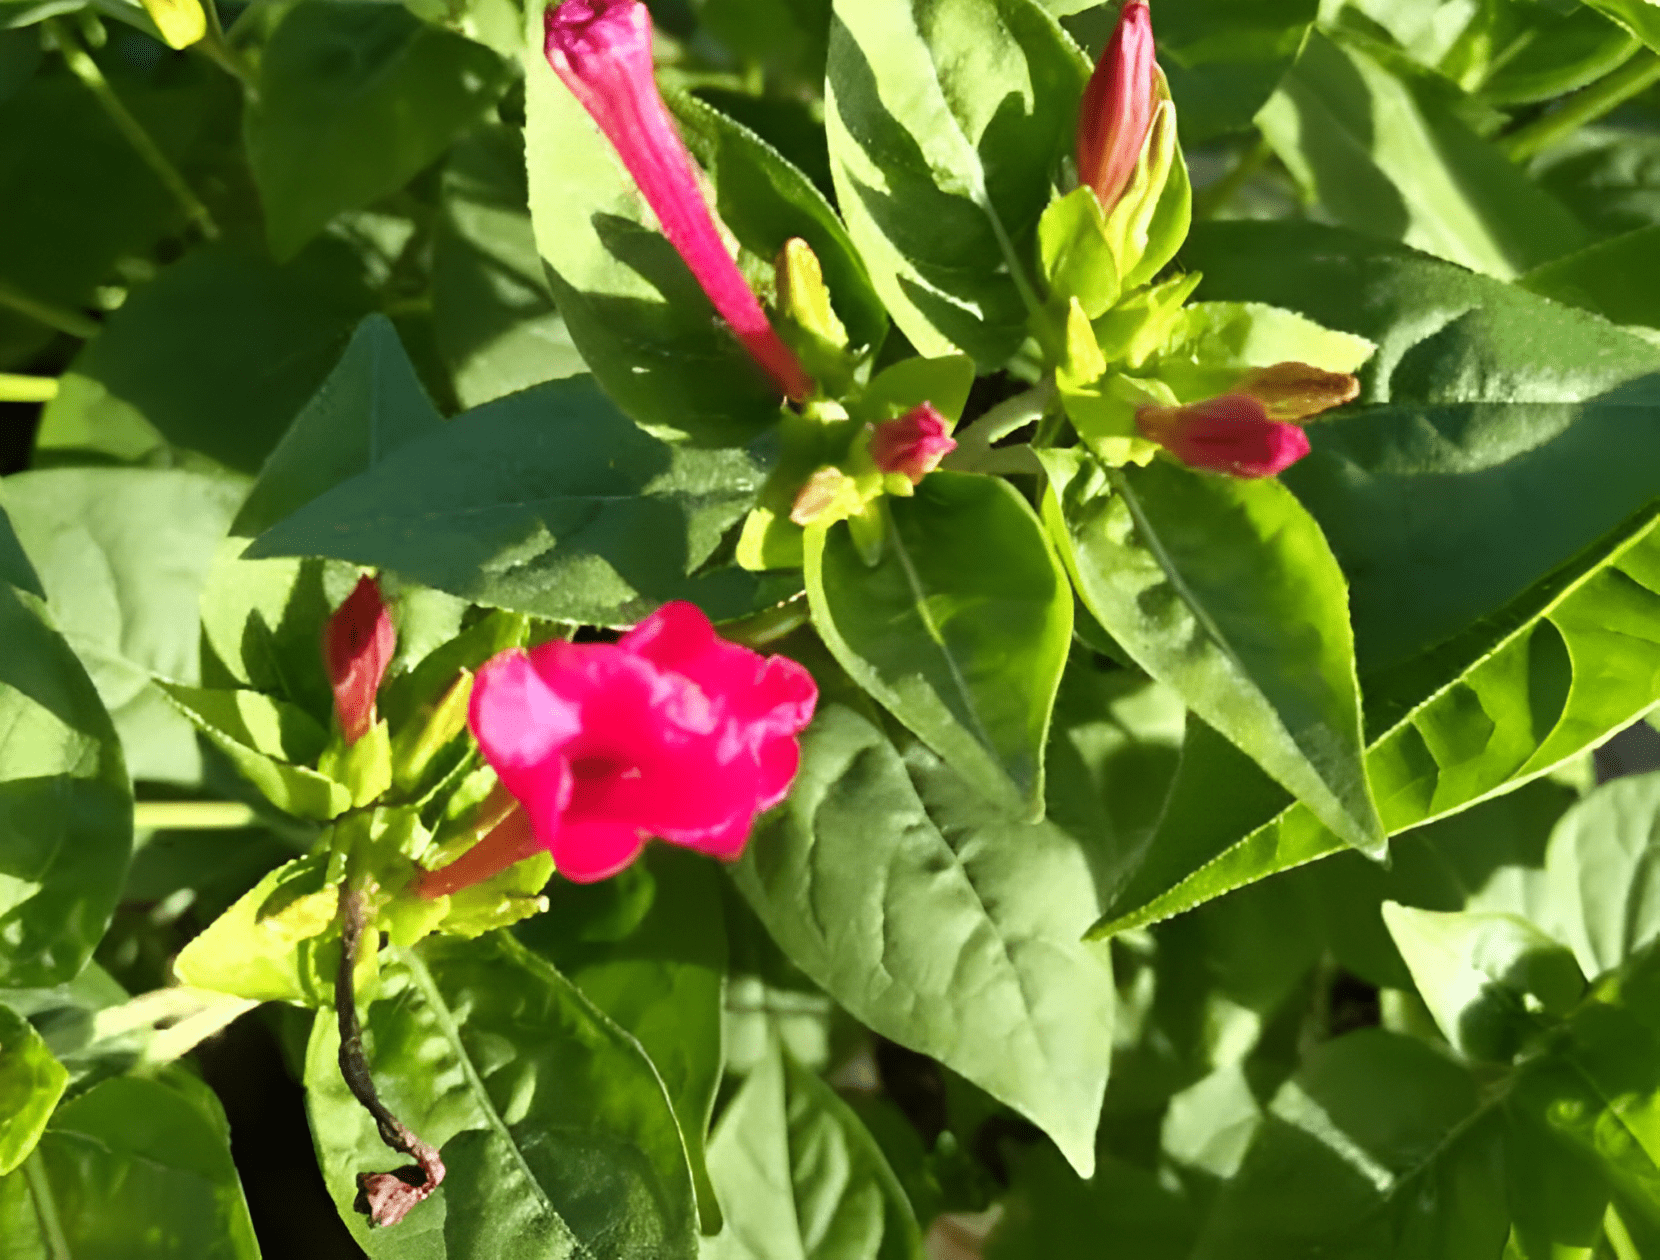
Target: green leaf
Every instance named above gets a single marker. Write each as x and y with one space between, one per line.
1606 278
65 802
961 630
802 1177
222 332
354 99
1559 52
495 320
1608 176
558 1138
268 741
632 308
1387 158
1476 970
1223 61
1636 16
1051 1213
124 554
1197 577
15 569
274 944
31 1082
788 37
662 983
947 122
941 921
134 1169
1211 345
547 502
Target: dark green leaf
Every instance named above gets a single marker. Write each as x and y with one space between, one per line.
31 1082
65 802
133 1169
15 569
495 319
801 1176
941 921
1053 1214
1607 278
124 554
1637 16
548 502
947 122
1226 591
557 1135
788 37
1224 60
354 99
1608 176
215 355
1388 158
961 630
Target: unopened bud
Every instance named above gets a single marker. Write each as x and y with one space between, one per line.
1295 391
1231 434
1117 109
357 647
913 444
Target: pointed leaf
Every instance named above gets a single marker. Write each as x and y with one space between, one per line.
31 1082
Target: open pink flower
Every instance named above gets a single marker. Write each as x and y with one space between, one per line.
601 49
357 647
1231 434
913 443
670 732
1117 108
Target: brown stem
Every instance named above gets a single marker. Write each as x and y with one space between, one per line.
385 1198
510 840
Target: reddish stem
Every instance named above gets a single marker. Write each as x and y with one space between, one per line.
510 840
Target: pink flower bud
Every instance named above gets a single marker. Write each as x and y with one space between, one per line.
601 49
357 647
669 732
1231 434
912 444
1117 108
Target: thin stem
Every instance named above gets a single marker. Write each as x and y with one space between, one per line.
53 316
1209 200
1619 1237
974 442
1586 106
217 49
92 78
46 1207
27 389
386 1198
509 840
767 626
192 815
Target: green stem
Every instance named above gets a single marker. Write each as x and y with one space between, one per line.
1210 199
1619 1237
1586 106
60 317
974 442
92 78
46 1207
217 49
191 815
27 389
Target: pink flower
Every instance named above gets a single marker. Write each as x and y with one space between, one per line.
670 732
913 443
1117 108
601 49
1231 434
357 647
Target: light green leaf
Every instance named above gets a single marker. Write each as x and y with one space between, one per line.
134 1169
1226 591
946 124
495 320
274 944
31 1082
961 630
1637 16
802 1177
1213 344
941 922
221 333
1387 158
1607 278
558 1138
124 554
354 99
65 802
548 502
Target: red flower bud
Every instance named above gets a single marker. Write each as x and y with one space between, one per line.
601 49
357 646
912 444
1117 108
1231 434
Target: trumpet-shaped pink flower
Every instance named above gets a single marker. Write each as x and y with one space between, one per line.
1117 108
670 732
601 49
1231 434
358 642
913 443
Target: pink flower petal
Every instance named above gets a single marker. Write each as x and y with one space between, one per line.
1231 434
358 643
590 851
912 444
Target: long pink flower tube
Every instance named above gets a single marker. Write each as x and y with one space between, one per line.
1231 434
1117 108
669 732
601 49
